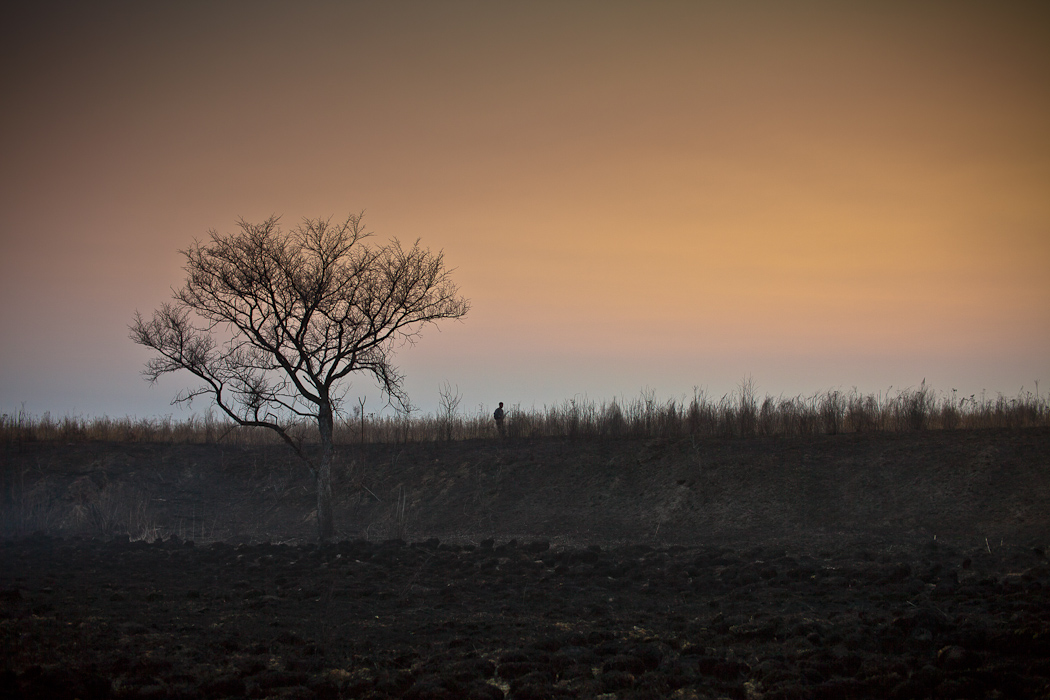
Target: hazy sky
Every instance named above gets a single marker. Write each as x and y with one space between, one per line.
663 195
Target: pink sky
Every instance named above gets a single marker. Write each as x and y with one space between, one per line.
663 195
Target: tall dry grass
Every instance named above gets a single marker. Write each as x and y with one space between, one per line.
739 414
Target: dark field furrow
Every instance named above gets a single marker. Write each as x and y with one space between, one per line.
86 618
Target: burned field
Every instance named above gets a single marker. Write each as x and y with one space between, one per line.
360 619
932 581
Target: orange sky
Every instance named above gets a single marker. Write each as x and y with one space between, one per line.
665 195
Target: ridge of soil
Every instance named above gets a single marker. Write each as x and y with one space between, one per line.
852 566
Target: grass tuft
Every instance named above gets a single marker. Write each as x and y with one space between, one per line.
736 415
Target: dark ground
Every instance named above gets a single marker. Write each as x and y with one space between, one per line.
889 565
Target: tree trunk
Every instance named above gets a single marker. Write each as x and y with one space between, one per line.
325 424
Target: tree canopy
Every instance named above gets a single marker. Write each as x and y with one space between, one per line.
271 322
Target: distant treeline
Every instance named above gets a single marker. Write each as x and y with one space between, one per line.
736 415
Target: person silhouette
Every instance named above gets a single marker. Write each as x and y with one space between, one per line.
499 414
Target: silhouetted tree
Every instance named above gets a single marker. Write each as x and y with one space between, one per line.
271 322
448 405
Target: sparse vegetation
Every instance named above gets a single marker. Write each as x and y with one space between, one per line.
667 464
735 415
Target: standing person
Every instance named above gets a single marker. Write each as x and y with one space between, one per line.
499 414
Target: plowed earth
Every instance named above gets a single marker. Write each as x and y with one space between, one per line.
906 566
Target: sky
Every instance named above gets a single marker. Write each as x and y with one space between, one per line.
656 196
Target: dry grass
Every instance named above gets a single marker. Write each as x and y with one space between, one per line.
42 502
739 414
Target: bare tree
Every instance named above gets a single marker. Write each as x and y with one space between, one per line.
449 400
271 322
